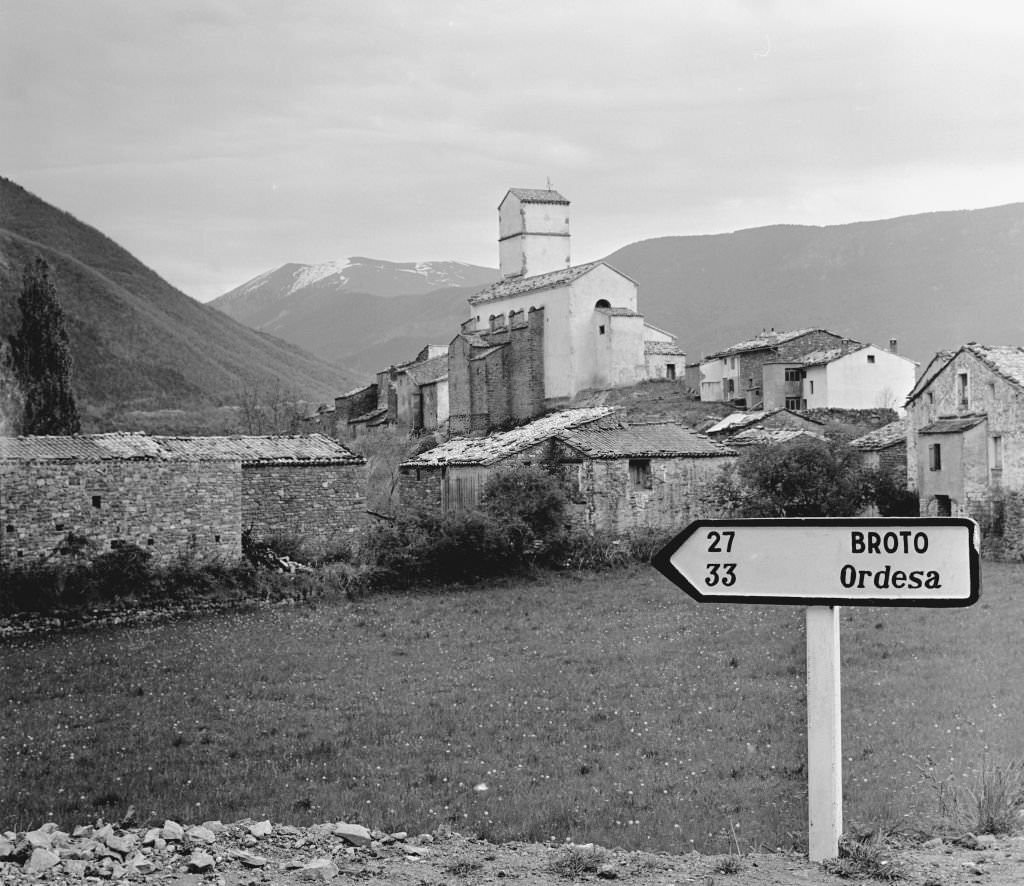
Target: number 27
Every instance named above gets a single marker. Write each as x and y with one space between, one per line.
715 540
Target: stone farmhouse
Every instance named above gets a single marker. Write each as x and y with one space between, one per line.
965 442
806 369
621 477
173 496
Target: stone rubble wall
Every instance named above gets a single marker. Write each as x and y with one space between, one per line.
321 505
169 508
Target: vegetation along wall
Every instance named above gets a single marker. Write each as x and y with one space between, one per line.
52 511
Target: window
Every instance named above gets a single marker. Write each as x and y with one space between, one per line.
670 370
931 398
792 375
871 358
935 457
602 303
812 385
792 403
97 501
997 458
962 398
943 506
600 329
640 473
732 362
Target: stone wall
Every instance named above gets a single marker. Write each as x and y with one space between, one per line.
606 497
488 389
419 489
169 508
321 505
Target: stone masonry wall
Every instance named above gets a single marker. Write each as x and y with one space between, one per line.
321 505
607 499
419 489
170 508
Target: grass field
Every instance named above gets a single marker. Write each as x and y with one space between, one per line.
606 708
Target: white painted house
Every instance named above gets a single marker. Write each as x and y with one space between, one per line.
848 377
593 334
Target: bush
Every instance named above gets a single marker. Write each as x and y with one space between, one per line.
802 478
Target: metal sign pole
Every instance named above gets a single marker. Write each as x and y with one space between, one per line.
824 734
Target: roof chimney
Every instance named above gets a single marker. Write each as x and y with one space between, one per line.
894 346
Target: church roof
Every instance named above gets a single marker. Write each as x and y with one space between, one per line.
536 195
520 285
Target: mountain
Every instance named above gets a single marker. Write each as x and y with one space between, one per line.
931 281
365 313
137 342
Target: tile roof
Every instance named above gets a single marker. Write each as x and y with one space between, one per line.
888 435
536 195
770 436
81 447
495 447
263 450
428 371
739 420
620 312
519 285
1005 360
663 347
369 417
250 450
954 424
762 342
827 355
652 440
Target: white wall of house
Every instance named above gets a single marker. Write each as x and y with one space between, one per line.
711 374
865 379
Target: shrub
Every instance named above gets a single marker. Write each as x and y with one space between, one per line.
802 478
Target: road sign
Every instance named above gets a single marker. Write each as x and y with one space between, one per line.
882 561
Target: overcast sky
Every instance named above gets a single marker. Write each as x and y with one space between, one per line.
218 139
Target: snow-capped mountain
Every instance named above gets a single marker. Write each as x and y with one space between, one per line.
357 274
351 310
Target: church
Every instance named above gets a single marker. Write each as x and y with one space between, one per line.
548 329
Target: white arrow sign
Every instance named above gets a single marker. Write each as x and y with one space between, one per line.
924 561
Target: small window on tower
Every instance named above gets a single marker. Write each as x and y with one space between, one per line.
600 329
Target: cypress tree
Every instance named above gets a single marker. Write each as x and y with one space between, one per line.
41 357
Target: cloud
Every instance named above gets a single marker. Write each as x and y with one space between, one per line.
211 138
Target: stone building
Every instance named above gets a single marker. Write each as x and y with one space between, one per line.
620 477
885 448
965 443
173 496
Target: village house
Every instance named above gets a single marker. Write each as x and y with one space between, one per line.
965 442
412 395
620 477
172 496
806 369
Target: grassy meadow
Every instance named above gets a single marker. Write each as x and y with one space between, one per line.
606 707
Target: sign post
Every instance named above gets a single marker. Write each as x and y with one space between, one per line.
825 563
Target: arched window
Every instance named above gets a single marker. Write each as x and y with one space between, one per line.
603 303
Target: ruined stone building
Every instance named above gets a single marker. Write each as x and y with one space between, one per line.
61 497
